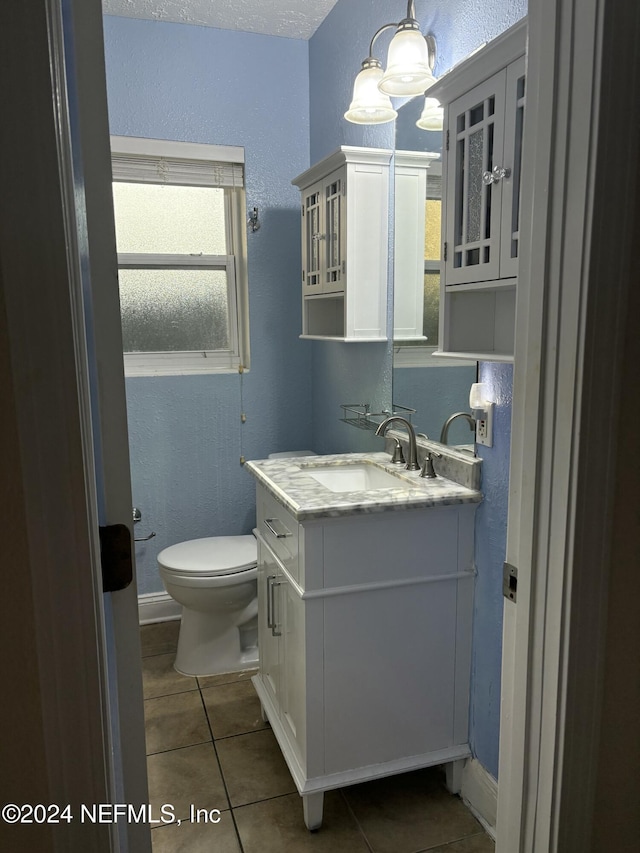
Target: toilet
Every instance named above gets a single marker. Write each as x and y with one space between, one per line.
214 579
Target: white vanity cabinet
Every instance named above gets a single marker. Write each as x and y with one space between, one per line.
345 203
365 642
484 99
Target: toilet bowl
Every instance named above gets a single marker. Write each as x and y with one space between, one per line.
214 579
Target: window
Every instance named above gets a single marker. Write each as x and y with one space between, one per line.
180 235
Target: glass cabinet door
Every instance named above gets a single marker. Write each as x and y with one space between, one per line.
514 122
334 233
475 151
312 237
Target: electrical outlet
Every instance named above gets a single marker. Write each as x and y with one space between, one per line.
484 426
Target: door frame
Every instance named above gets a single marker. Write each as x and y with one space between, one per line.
568 375
579 169
80 740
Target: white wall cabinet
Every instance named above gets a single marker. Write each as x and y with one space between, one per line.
484 100
345 204
365 642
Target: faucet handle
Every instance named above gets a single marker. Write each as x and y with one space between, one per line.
398 455
428 470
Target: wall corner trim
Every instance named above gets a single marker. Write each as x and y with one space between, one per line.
480 793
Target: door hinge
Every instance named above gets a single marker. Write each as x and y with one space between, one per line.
447 145
510 582
115 557
445 251
302 208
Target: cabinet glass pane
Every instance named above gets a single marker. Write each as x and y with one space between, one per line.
312 237
174 310
459 192
475 185
167 219
334 252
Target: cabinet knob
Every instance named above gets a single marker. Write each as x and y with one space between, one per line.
495 175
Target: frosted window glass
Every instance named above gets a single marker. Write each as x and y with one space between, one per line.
174 310
167 219
432 215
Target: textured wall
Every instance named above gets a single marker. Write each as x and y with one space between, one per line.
198 84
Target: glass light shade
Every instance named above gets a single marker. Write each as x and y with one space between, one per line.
408 71
369 105
432 117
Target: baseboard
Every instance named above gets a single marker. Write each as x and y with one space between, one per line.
157 607
480 793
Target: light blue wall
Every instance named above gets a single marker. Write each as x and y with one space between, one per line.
490 547
198 84
335 54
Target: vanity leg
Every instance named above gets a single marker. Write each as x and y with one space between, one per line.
312 805
454 775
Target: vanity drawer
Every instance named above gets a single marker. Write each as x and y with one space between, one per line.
280 530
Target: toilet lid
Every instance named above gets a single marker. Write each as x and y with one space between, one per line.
215 555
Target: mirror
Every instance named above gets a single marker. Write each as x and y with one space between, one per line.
435 387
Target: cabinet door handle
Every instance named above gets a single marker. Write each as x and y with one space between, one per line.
495 175
272 600
270 578
270 523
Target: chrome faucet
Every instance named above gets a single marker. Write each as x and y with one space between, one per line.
451 419
412 464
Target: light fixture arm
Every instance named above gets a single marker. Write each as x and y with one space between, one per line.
376 34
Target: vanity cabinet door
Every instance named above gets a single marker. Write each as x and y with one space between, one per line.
269 577
293 696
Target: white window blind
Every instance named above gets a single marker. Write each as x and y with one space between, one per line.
165 170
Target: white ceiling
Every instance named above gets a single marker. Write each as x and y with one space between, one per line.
290 18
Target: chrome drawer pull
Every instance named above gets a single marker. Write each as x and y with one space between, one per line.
269 524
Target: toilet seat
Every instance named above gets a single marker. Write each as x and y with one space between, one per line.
211 557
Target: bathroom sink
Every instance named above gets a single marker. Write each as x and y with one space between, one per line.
355 478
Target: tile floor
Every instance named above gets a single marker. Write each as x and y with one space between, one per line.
208 746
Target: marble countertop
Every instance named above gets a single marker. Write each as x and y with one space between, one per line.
289 482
